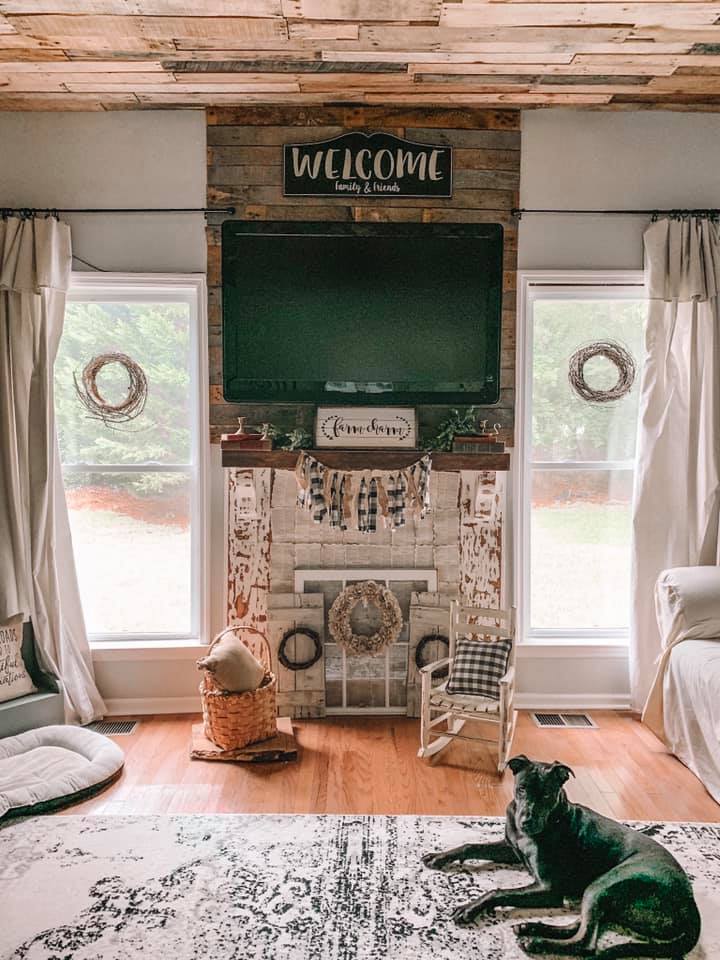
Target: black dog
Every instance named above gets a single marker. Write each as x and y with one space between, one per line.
624 878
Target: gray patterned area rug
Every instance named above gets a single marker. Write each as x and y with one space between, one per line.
232 887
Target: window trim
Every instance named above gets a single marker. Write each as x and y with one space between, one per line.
535 285
191 287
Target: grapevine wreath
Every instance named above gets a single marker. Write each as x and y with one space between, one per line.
96 405
339 618
617 355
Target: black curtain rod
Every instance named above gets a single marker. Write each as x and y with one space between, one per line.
54 211
711 212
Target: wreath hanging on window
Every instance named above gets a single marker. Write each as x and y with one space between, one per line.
365 593
425 641
617 355
130 407
299 664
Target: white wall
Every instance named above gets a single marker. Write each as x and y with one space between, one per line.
117 159
124 159
588 160
602 160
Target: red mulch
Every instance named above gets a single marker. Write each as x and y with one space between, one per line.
166 510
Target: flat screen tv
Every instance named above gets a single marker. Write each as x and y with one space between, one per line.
361 313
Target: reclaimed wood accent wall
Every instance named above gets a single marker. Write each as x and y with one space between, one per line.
462 539
245 170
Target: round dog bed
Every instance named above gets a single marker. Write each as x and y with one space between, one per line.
51 767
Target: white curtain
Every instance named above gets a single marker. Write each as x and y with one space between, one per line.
677 488
37 569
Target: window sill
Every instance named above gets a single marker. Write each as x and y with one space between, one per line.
117 650
604 647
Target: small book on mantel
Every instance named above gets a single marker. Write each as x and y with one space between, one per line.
482 443
248 441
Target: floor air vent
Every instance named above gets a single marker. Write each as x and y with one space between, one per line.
581 720
114 728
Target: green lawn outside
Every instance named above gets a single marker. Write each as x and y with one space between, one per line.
133 575
580 566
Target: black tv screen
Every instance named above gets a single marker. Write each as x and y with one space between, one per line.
371 313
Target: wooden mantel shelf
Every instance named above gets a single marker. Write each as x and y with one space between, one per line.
232 456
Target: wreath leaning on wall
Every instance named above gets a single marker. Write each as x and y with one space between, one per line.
300 664
391 618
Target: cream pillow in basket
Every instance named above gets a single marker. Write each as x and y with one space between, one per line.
232 665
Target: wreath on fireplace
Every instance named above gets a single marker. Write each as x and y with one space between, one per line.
365 593
300 664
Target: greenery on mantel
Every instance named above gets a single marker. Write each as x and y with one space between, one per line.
456 424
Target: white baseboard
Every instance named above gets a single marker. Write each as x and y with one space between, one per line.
142 706
572 701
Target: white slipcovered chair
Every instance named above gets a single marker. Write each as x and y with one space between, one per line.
443 715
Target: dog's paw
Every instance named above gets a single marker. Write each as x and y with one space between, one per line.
530 944
466 916
436 861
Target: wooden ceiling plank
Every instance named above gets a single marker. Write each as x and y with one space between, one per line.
148 28
685 84
471 15
236 89
315 30
621 60
512 2
661 34
518 52
73 7
575 68
55 26
17 55
209 99
427 11
183 51
160 8
498 99
698 60
547 55
275 65
64 101
90 66
209 8
456 38
336 80
28 82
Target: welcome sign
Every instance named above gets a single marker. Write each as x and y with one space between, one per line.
377 165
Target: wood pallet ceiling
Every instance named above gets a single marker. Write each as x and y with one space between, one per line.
134 54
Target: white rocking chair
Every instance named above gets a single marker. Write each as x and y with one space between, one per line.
443 715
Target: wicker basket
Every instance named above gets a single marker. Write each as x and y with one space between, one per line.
233 720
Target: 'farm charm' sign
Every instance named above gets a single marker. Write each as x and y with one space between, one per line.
375 427
367 165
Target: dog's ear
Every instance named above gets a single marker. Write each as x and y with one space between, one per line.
518 763
561 771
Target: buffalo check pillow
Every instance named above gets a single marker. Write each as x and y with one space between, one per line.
478 668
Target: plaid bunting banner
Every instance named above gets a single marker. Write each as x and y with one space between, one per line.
332 495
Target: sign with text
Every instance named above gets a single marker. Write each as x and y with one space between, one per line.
377 427
357 164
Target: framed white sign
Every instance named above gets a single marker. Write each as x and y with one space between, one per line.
366 427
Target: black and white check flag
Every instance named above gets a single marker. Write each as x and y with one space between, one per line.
478 667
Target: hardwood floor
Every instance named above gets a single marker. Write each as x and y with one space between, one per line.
358 765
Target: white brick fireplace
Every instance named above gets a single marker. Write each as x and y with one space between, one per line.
284 571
